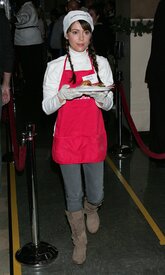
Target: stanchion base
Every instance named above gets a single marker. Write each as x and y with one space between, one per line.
120 151
36 256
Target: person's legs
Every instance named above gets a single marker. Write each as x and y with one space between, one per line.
75 214
157 118
0 137
94 179
0 161
31 61
79 237
157 121
73 186
95 192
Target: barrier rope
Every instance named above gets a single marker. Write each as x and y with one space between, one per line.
138 138
19 151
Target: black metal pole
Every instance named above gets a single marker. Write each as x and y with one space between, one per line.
119 110
120 150
32 183
35 253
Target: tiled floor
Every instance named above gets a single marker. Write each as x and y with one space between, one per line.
131 238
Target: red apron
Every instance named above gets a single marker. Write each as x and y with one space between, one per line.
80 135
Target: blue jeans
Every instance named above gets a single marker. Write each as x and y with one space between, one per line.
73 184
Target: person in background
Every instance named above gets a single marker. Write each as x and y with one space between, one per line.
101 31
80 140
56 36
102 45
43 27
108 19
109 11
54 15
42 24
85 4
155 73
72 5
29 45
56 40
6 63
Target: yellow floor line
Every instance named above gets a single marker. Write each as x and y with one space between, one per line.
136 200
14 216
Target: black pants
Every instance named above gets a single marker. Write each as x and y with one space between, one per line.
157 117
31 60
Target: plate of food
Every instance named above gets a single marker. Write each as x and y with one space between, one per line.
87 87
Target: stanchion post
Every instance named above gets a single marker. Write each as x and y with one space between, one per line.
35 253
32 184
120 150
119 78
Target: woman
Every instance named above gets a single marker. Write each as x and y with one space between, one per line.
80 140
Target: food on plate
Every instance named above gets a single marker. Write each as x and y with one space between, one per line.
100 84
88 83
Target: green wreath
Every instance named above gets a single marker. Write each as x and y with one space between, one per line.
123 24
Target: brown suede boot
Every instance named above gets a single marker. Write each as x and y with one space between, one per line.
77 224
93 220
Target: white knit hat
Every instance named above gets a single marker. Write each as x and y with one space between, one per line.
74 16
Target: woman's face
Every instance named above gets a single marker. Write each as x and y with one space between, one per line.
79 38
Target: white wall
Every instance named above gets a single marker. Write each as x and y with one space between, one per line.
134 63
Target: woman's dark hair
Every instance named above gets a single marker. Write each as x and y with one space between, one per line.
85 25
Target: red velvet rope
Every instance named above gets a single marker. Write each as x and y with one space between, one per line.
19 151
140 142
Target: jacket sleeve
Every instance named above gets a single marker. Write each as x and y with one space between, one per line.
108 102
105 71
50 103
106 77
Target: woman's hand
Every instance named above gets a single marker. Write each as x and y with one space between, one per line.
67 93
103 100
99 96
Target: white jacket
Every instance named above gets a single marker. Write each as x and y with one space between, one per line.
80 61
27 28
